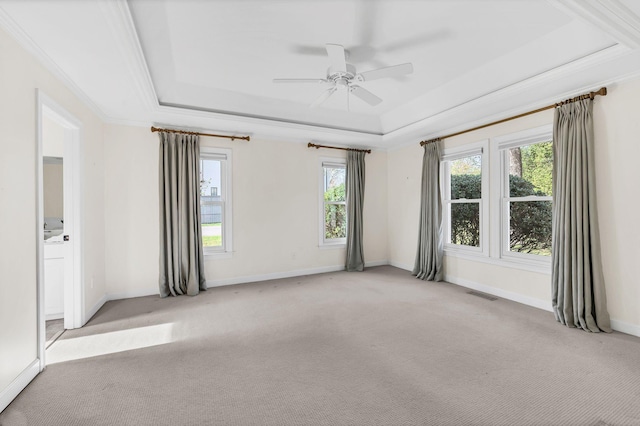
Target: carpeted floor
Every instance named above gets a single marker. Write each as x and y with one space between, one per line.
371 348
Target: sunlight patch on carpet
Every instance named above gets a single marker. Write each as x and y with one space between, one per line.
108 343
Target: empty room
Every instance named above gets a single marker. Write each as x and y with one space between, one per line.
320 212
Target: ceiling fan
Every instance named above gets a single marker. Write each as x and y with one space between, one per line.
342 75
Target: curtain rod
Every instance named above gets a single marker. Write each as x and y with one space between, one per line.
313 145
185 132
590 95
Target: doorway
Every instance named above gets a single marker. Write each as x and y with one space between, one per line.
59 220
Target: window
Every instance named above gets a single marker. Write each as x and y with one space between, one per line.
464 206
215 200
333 226
527 197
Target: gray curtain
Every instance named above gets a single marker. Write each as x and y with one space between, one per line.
355 200
428 264
181 256
578 292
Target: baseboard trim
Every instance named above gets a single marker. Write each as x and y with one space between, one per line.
99 304
131 294
516 297
273 276
625 327
10 392
621 326
376 263
399 265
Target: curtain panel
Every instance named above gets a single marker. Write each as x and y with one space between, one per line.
181 254
428 263
578 288
355 200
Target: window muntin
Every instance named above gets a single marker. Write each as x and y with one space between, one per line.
334 212
463 196
215 200
527 199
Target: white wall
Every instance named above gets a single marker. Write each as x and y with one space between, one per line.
617 128
20 75
131 211
276 199
617 151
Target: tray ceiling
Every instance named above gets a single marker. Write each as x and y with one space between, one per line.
210 64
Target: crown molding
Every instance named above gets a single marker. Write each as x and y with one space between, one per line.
611 16
18 34
513 91
118 17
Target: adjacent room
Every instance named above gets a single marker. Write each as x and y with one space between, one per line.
343 212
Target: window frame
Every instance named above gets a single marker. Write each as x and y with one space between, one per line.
452 154
330 162
500 225
224 155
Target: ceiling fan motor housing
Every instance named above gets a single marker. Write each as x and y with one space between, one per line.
340 75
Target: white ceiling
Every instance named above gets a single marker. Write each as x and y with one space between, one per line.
210 64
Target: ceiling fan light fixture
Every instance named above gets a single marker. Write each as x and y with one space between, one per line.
342 75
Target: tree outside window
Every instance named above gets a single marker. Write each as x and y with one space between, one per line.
335 208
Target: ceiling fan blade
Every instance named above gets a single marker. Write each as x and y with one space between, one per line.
323 97
336 57
365 95
392 71
299 80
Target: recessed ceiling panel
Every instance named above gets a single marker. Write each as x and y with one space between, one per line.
211 64
222 56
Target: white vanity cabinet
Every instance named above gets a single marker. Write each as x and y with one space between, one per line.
54 280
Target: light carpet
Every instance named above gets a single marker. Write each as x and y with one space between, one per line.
373 348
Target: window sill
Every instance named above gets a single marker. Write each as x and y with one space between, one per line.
330 246
218 255
541 267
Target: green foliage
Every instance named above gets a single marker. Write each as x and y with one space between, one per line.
211 240
465 217
467 186
337 193
530 221
467 165
537 166
335 215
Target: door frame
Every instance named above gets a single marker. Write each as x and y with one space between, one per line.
73 217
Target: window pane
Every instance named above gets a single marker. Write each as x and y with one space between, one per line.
212 234
530 170
211 202
530 227
211 179
335 221
334 189
466 180
465 224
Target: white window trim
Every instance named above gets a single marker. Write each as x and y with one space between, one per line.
500 222
226 250
324 243
450 154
